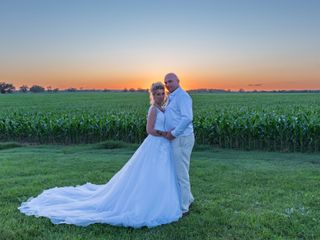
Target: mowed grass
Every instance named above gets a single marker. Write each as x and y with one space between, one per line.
239 195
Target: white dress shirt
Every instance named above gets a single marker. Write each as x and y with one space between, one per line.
178 113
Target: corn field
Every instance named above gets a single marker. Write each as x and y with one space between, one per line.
273 122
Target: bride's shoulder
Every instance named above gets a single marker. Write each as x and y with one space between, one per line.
152 110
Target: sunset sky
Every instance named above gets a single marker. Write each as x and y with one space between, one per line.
116 44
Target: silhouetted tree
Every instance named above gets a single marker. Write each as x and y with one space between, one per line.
71 90
141 90
36 89
24 88
6 87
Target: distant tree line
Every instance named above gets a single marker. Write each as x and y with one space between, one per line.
250 91
10 88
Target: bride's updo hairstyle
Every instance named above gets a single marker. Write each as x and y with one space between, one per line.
154 87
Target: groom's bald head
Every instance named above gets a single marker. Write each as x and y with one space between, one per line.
171 81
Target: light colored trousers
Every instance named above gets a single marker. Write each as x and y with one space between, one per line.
182 148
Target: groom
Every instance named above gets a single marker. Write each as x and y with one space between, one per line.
178 123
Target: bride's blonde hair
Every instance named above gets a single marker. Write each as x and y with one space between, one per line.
154 87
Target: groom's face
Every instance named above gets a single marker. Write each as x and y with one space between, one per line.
171 84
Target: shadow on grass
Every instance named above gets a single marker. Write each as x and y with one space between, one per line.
9 145
114 144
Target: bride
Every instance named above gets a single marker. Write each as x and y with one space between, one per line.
143 193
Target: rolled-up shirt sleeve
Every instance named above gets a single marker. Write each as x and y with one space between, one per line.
185 105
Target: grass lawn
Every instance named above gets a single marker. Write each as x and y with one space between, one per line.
239 195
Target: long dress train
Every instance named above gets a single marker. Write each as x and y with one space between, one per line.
143 193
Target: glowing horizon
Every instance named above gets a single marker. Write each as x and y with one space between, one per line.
251 45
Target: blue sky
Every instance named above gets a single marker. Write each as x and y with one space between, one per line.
117 44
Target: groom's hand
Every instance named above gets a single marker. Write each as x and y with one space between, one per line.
169 136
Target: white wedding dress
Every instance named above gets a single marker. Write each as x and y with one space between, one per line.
143 193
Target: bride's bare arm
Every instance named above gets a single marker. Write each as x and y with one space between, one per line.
151 121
